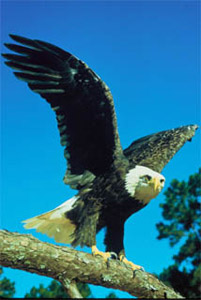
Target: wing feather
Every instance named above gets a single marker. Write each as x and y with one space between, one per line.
155 151
81 100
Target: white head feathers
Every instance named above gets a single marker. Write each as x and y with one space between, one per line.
143 183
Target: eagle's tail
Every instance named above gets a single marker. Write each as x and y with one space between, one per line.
54 223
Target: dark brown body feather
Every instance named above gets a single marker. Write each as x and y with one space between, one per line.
108 204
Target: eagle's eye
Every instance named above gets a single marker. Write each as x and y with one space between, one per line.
162 180
147 177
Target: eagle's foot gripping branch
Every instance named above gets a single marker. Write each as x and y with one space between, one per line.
105 255
130 263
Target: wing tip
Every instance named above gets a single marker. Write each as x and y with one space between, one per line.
6 45
17 38
4 55
195 126
192 126
192 129
187 129
13 36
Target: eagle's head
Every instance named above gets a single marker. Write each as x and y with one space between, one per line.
144 184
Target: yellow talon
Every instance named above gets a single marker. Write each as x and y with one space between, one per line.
104 255
130 263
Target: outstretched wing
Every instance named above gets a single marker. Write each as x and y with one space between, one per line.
83 104
154 151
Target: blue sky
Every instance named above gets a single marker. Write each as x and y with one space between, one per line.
147 52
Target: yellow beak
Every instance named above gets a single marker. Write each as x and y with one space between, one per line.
156 183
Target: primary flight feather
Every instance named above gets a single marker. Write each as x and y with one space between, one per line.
112 183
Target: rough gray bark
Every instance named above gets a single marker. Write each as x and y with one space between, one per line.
24 252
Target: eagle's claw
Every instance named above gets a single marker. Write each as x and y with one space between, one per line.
113 255
130 263
105 255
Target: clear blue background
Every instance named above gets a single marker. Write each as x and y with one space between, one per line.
147 53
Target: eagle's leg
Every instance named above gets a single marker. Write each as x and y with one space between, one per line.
86 224
86 228
114 242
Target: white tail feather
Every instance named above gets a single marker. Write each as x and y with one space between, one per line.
54 223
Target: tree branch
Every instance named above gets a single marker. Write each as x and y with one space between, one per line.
24 252
71 288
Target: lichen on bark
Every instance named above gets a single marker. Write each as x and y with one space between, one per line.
68 266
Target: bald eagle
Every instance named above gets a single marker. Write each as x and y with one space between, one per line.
112 183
